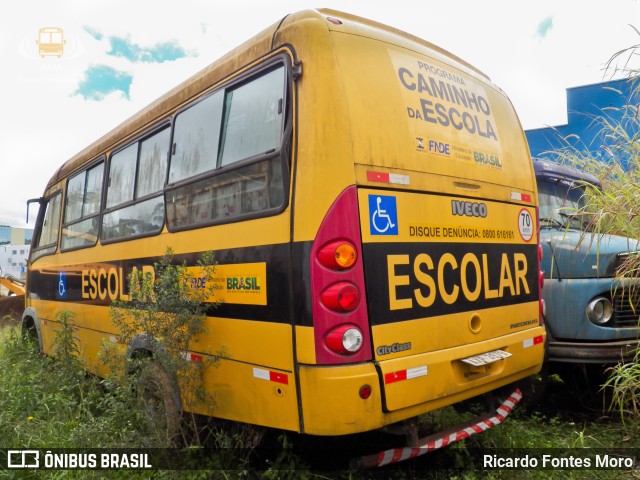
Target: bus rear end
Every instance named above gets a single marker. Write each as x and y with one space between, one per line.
424 271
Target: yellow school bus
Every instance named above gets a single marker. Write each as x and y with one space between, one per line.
372 207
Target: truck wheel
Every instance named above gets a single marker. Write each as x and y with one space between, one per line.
159 402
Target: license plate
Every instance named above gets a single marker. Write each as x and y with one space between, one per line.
486 358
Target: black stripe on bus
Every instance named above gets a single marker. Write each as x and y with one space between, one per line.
399 277
65 284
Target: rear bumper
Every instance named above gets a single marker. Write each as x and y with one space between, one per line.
329 395
592 352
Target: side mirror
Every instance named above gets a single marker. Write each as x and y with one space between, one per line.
33 200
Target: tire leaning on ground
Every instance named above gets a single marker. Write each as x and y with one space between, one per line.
160 401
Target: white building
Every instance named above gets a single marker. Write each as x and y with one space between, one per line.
13 260
14 250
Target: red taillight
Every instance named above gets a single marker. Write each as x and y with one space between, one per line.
341 297
345 339
337 288
338 255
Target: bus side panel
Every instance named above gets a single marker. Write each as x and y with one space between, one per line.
252 376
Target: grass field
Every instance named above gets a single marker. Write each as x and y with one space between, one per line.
48 403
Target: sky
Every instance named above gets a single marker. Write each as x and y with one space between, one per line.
121 55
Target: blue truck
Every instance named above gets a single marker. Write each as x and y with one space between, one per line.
591 318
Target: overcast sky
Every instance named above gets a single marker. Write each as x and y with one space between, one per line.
121 55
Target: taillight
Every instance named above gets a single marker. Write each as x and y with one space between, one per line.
339 307
341 297
345 339
338 255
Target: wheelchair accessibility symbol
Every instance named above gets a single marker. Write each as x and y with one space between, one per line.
62 285
383 215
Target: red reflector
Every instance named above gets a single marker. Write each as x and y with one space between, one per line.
530 342
526 197
341 297
271 376
365 392
380 177
279 377
395 376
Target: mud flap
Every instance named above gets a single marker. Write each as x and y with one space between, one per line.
436 441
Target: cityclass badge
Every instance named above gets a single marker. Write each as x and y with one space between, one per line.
395 348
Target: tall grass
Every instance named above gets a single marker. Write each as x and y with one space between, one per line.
615 209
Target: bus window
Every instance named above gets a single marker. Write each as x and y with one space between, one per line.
135 205
152 165
122 174
195 138
48 235
253 125
253 188
253 118
84 192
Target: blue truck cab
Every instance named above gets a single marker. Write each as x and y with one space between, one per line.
591 318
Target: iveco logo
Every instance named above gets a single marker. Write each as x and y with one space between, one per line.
469 209
395 348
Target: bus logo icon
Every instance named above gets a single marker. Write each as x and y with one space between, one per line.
383 215
50 42
23 459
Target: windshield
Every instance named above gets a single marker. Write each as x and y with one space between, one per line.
560 203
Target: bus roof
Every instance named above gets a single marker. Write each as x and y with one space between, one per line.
238 58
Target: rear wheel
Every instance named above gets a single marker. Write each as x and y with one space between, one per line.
30 334
159 403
